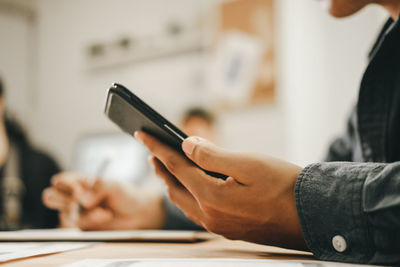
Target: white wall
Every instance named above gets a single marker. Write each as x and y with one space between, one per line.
320 64
15 58
322 61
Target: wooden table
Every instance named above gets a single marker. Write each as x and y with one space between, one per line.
214 248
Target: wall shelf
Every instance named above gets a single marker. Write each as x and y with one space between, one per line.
132 51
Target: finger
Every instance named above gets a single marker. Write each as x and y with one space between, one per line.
67 183
193 178
213 158
179 195
56 200
95 195
87 182
96 219
162 172
83 189
66 221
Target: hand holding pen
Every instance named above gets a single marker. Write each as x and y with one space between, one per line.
71 194
79 206
105 204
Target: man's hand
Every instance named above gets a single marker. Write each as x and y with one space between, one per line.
256 203
102 205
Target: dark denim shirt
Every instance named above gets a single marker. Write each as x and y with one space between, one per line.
349 208
353 198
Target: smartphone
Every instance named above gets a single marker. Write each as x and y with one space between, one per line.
131 114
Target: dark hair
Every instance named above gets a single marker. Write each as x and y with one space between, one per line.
14 130
198 112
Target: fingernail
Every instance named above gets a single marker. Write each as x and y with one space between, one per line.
150 160
137 136
189 144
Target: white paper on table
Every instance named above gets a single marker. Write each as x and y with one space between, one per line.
18 250
197 262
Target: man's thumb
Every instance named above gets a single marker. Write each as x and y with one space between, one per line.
190 143
210 157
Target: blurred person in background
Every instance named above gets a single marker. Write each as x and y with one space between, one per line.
199 122
112 205
24 173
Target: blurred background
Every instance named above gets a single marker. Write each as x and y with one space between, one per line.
280 76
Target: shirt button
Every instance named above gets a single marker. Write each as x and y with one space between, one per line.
339 243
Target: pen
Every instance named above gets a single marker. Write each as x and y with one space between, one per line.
78 207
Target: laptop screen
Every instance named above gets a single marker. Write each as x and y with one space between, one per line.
118 157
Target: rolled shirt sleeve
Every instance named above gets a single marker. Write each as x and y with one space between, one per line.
350 212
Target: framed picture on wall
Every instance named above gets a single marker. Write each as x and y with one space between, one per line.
242 70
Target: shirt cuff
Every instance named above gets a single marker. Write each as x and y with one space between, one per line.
329 205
